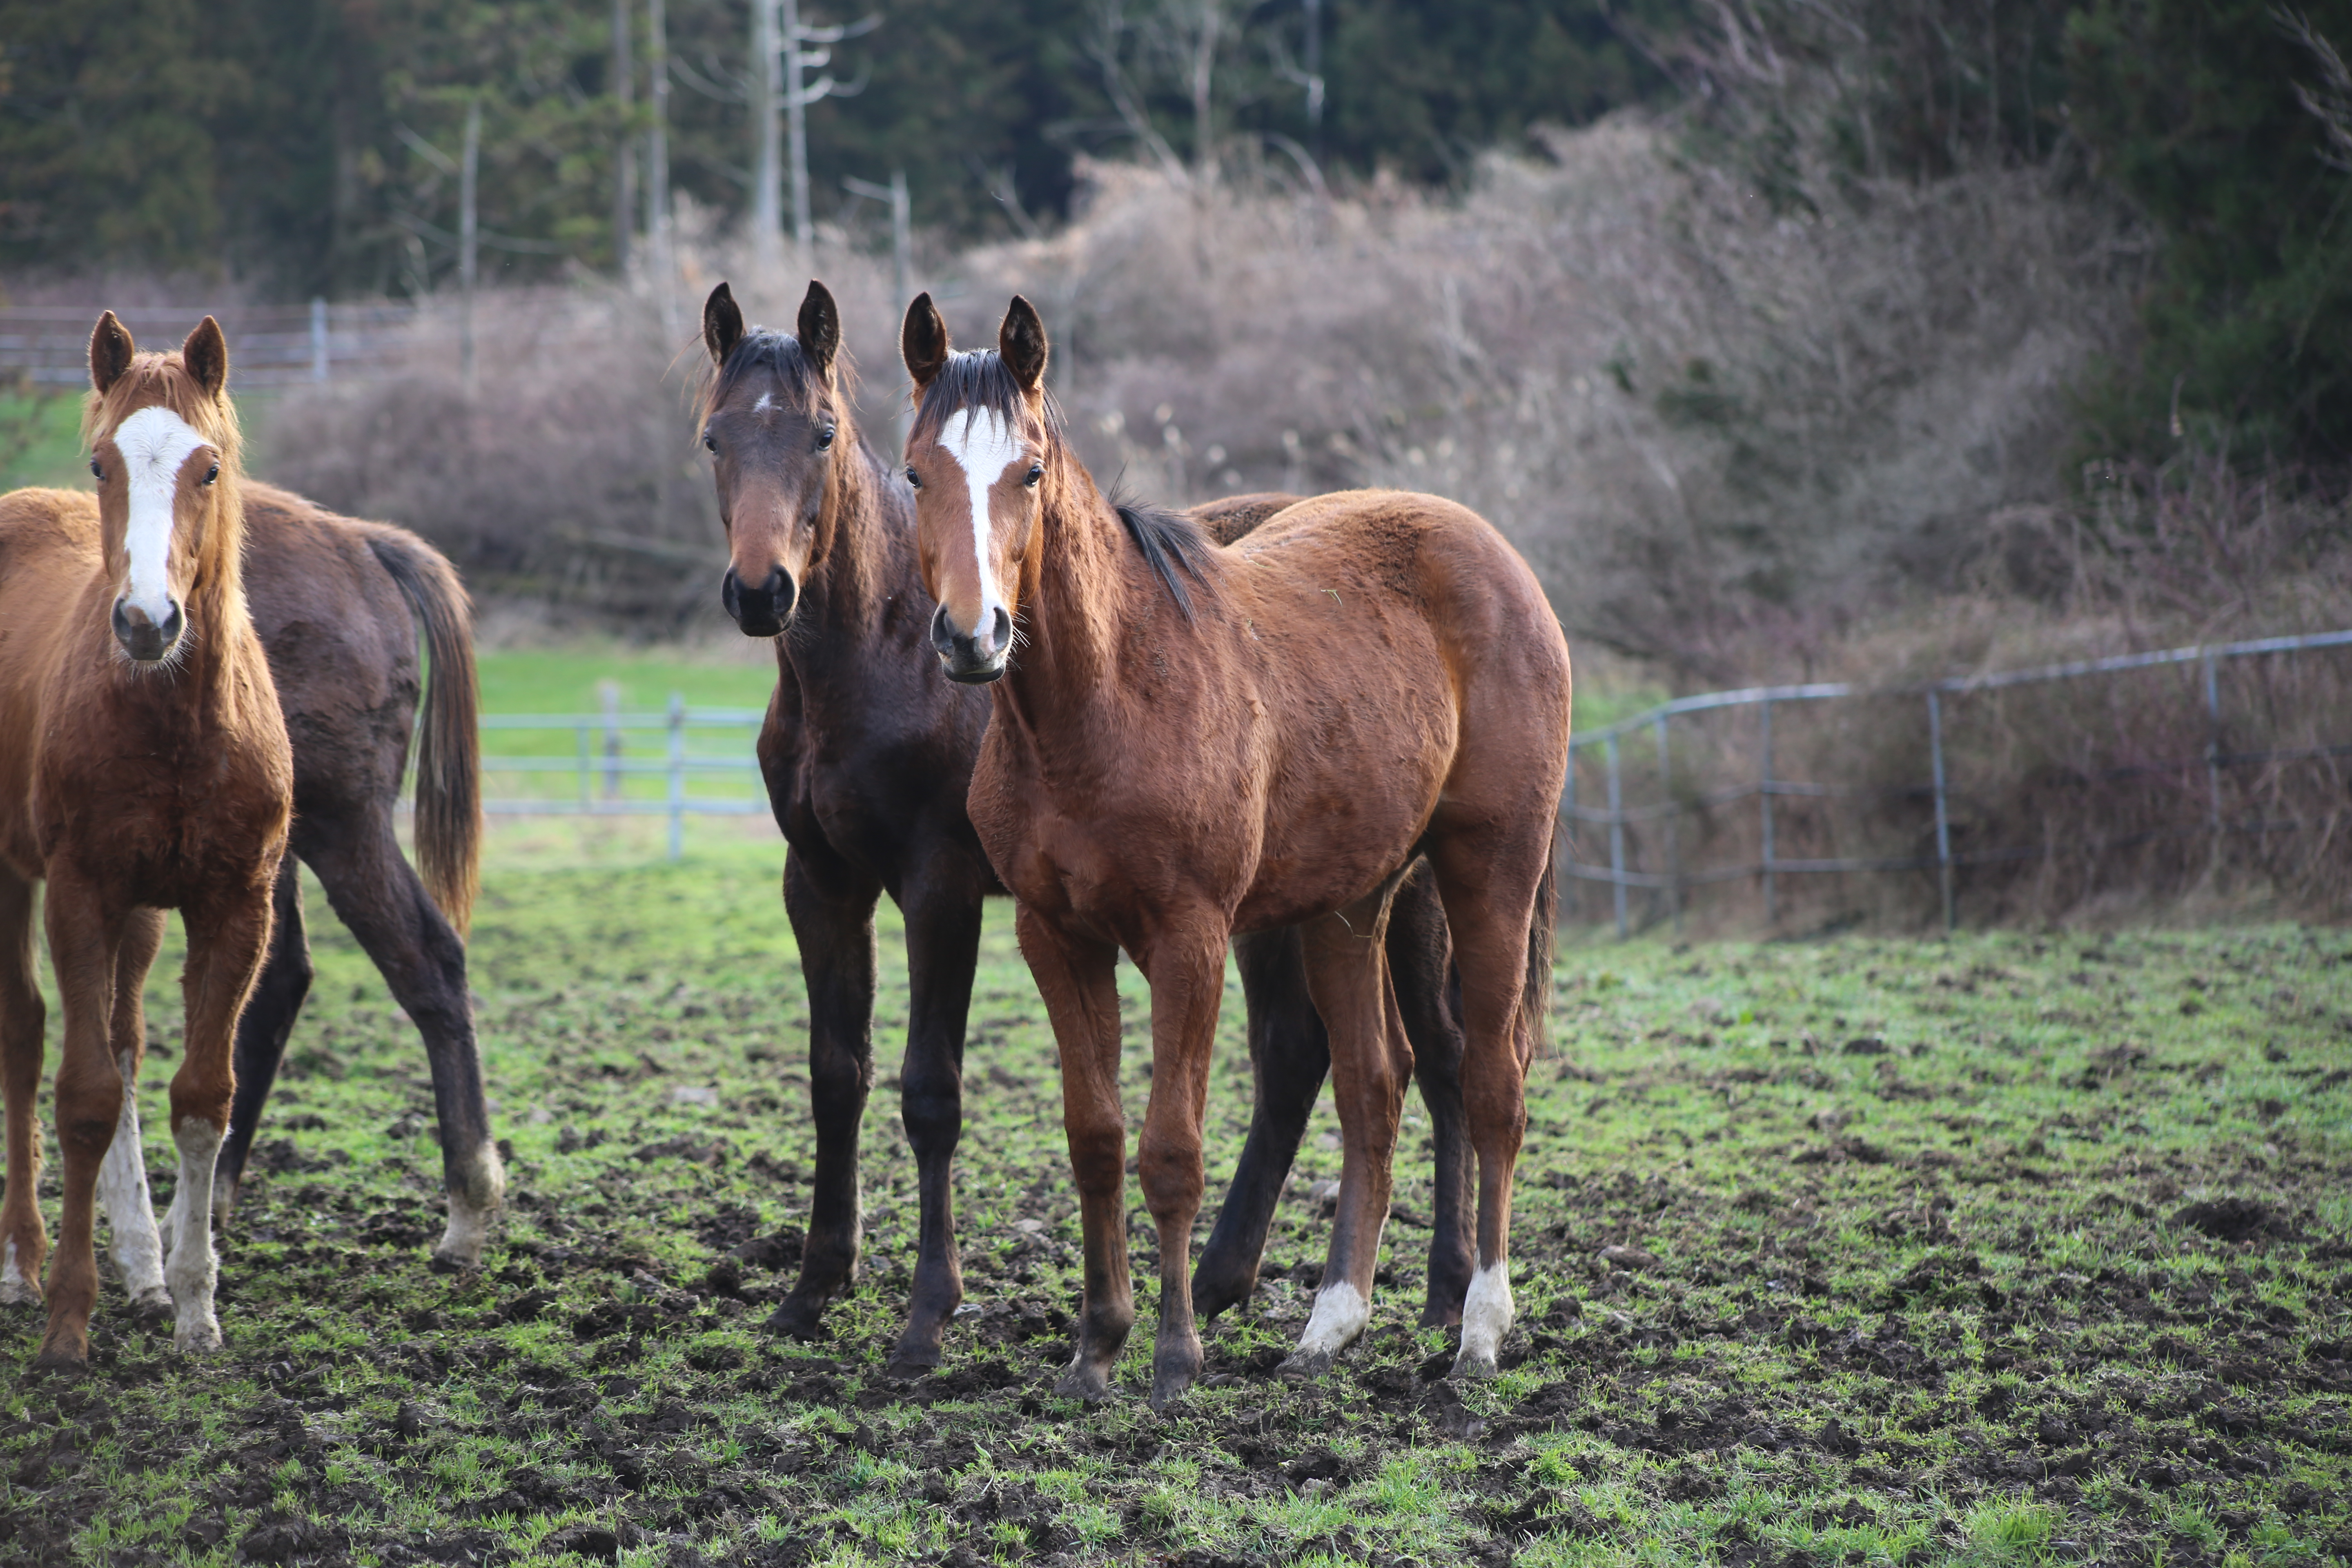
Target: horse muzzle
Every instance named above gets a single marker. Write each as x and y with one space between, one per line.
760 612
971 658
144 638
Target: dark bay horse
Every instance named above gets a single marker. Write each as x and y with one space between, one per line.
144 766
1189 740
868 755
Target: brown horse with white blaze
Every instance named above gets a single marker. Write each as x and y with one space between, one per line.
1189 740
144 766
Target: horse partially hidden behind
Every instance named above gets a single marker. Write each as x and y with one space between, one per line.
1189 740
867 754
144 766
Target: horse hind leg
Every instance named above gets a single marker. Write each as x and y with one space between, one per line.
138 1250
1346 971
1421 964
376 893
23 1239
227 939
1489 888
1290 1057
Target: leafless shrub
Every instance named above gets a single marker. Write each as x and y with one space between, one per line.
2068 797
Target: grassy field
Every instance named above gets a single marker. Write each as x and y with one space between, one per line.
2011 1249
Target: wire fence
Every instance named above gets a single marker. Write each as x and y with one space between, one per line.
629 765
268 345
1645 840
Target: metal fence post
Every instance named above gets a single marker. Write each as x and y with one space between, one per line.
1943 811
1764 794
1673 837
1616 835
318 338
1568 815
677 776
582 733
609 692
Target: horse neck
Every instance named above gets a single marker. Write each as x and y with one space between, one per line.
1074 593
858 563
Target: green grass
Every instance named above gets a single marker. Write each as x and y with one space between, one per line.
41 440
569 680
1913 1280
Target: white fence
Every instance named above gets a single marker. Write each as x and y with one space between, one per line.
268 345
607 780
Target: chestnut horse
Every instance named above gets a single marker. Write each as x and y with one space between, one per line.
331 599
144 766
867 756
1189 740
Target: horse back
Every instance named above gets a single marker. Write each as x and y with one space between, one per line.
48 554
341 642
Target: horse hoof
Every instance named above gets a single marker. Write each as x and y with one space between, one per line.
152 1310
198 1339
455 1263
1438 1315
1083 1383
796 1319
907 1366
1169 1387
61 1363
1467 1367
1304 1366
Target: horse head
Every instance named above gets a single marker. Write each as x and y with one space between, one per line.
162 439
775 420
977 458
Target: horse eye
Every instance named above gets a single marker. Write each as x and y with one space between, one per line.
914 479
97 471
710 442
212 473
824 438
1037 472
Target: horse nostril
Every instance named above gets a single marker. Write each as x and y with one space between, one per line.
942 634
731 595
781 591
1004 630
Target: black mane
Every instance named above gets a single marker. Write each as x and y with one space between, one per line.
758 349
1172 545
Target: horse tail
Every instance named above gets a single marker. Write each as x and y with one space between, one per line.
449 747
1543 926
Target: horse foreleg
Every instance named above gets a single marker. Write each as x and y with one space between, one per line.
423 960
122 1175
1076 980
943 949
85 930
261 1033
831 906
23 1239
1186 965
228 935
1421 959
1289 1057
1347 973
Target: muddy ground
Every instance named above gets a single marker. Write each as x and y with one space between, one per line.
2011 1248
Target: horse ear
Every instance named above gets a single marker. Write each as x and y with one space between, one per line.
110 349
206 353
1022 342
923 341
722 323
820 327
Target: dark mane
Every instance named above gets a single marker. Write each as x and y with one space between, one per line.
1174 547
1169 542
763 348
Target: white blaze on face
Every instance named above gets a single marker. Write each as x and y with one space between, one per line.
153 445
984 444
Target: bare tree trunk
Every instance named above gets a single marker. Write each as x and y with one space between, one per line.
796 102
1208 26
624 158
661 262
469 241
767 171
